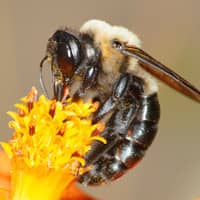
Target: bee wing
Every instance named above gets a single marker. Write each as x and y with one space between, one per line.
160 71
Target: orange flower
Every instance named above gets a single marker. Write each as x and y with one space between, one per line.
71 193
47 150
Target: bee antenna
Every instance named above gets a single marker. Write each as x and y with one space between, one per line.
41 75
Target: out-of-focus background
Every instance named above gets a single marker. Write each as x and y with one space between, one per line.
170 31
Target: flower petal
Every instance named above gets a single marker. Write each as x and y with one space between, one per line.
74 193
4 176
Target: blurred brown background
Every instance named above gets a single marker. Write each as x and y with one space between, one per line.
170 31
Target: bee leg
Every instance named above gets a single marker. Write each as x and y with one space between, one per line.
89 81
58 90
130 148
133 125
124 106
90 77
119 89
102 155
114 163
116 127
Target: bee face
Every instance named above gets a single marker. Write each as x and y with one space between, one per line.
105 63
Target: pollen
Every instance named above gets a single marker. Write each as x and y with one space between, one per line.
48 145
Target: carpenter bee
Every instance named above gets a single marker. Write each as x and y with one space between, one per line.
105 63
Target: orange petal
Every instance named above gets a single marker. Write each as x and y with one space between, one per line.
5 164
74 193
4 176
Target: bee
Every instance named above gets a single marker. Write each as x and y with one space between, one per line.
105 63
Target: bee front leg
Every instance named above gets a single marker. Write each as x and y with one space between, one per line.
89 81
119 89
58 87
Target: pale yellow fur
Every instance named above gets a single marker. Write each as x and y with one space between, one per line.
103 35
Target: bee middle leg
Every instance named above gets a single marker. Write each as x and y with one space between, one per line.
125 84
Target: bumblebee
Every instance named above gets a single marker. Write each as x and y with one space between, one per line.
106 64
